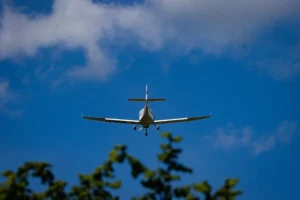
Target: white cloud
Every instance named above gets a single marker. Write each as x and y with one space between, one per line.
233 138
211 25
6 97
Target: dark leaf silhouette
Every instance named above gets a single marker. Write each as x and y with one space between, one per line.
100 184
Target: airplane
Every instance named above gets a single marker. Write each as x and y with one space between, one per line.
146 116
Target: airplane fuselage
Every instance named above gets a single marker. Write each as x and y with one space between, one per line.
146 117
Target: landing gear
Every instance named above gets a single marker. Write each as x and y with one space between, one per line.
157 127
146 132
134 127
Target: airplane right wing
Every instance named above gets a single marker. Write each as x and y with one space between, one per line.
112 120
185 119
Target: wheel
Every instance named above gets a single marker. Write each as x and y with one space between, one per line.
146 134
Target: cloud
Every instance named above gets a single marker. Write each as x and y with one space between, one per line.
214 26
231 137
285 65
227 138
7 96
41 73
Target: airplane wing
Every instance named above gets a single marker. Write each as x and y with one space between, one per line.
112 120
186 119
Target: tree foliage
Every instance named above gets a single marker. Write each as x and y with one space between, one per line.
100 184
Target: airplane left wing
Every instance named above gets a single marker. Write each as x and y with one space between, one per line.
112 120
186 119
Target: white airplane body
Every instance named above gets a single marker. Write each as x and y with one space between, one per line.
146 116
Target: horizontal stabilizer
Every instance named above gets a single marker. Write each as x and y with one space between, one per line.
144 100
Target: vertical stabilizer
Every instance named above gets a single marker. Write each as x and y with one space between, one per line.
146 94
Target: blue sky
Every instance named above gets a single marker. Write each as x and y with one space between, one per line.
238 60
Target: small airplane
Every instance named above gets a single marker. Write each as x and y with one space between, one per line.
146 116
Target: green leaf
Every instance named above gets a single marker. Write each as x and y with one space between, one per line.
8 173
177 139
113 155
107 166
165 135
164 146
98 170
136 166
162 157
232 182
236 193
202 187
182 191
116 184
191 197
149 174
120 147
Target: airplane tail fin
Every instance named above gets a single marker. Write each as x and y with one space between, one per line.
146 99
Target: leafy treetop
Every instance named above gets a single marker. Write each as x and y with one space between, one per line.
99 184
